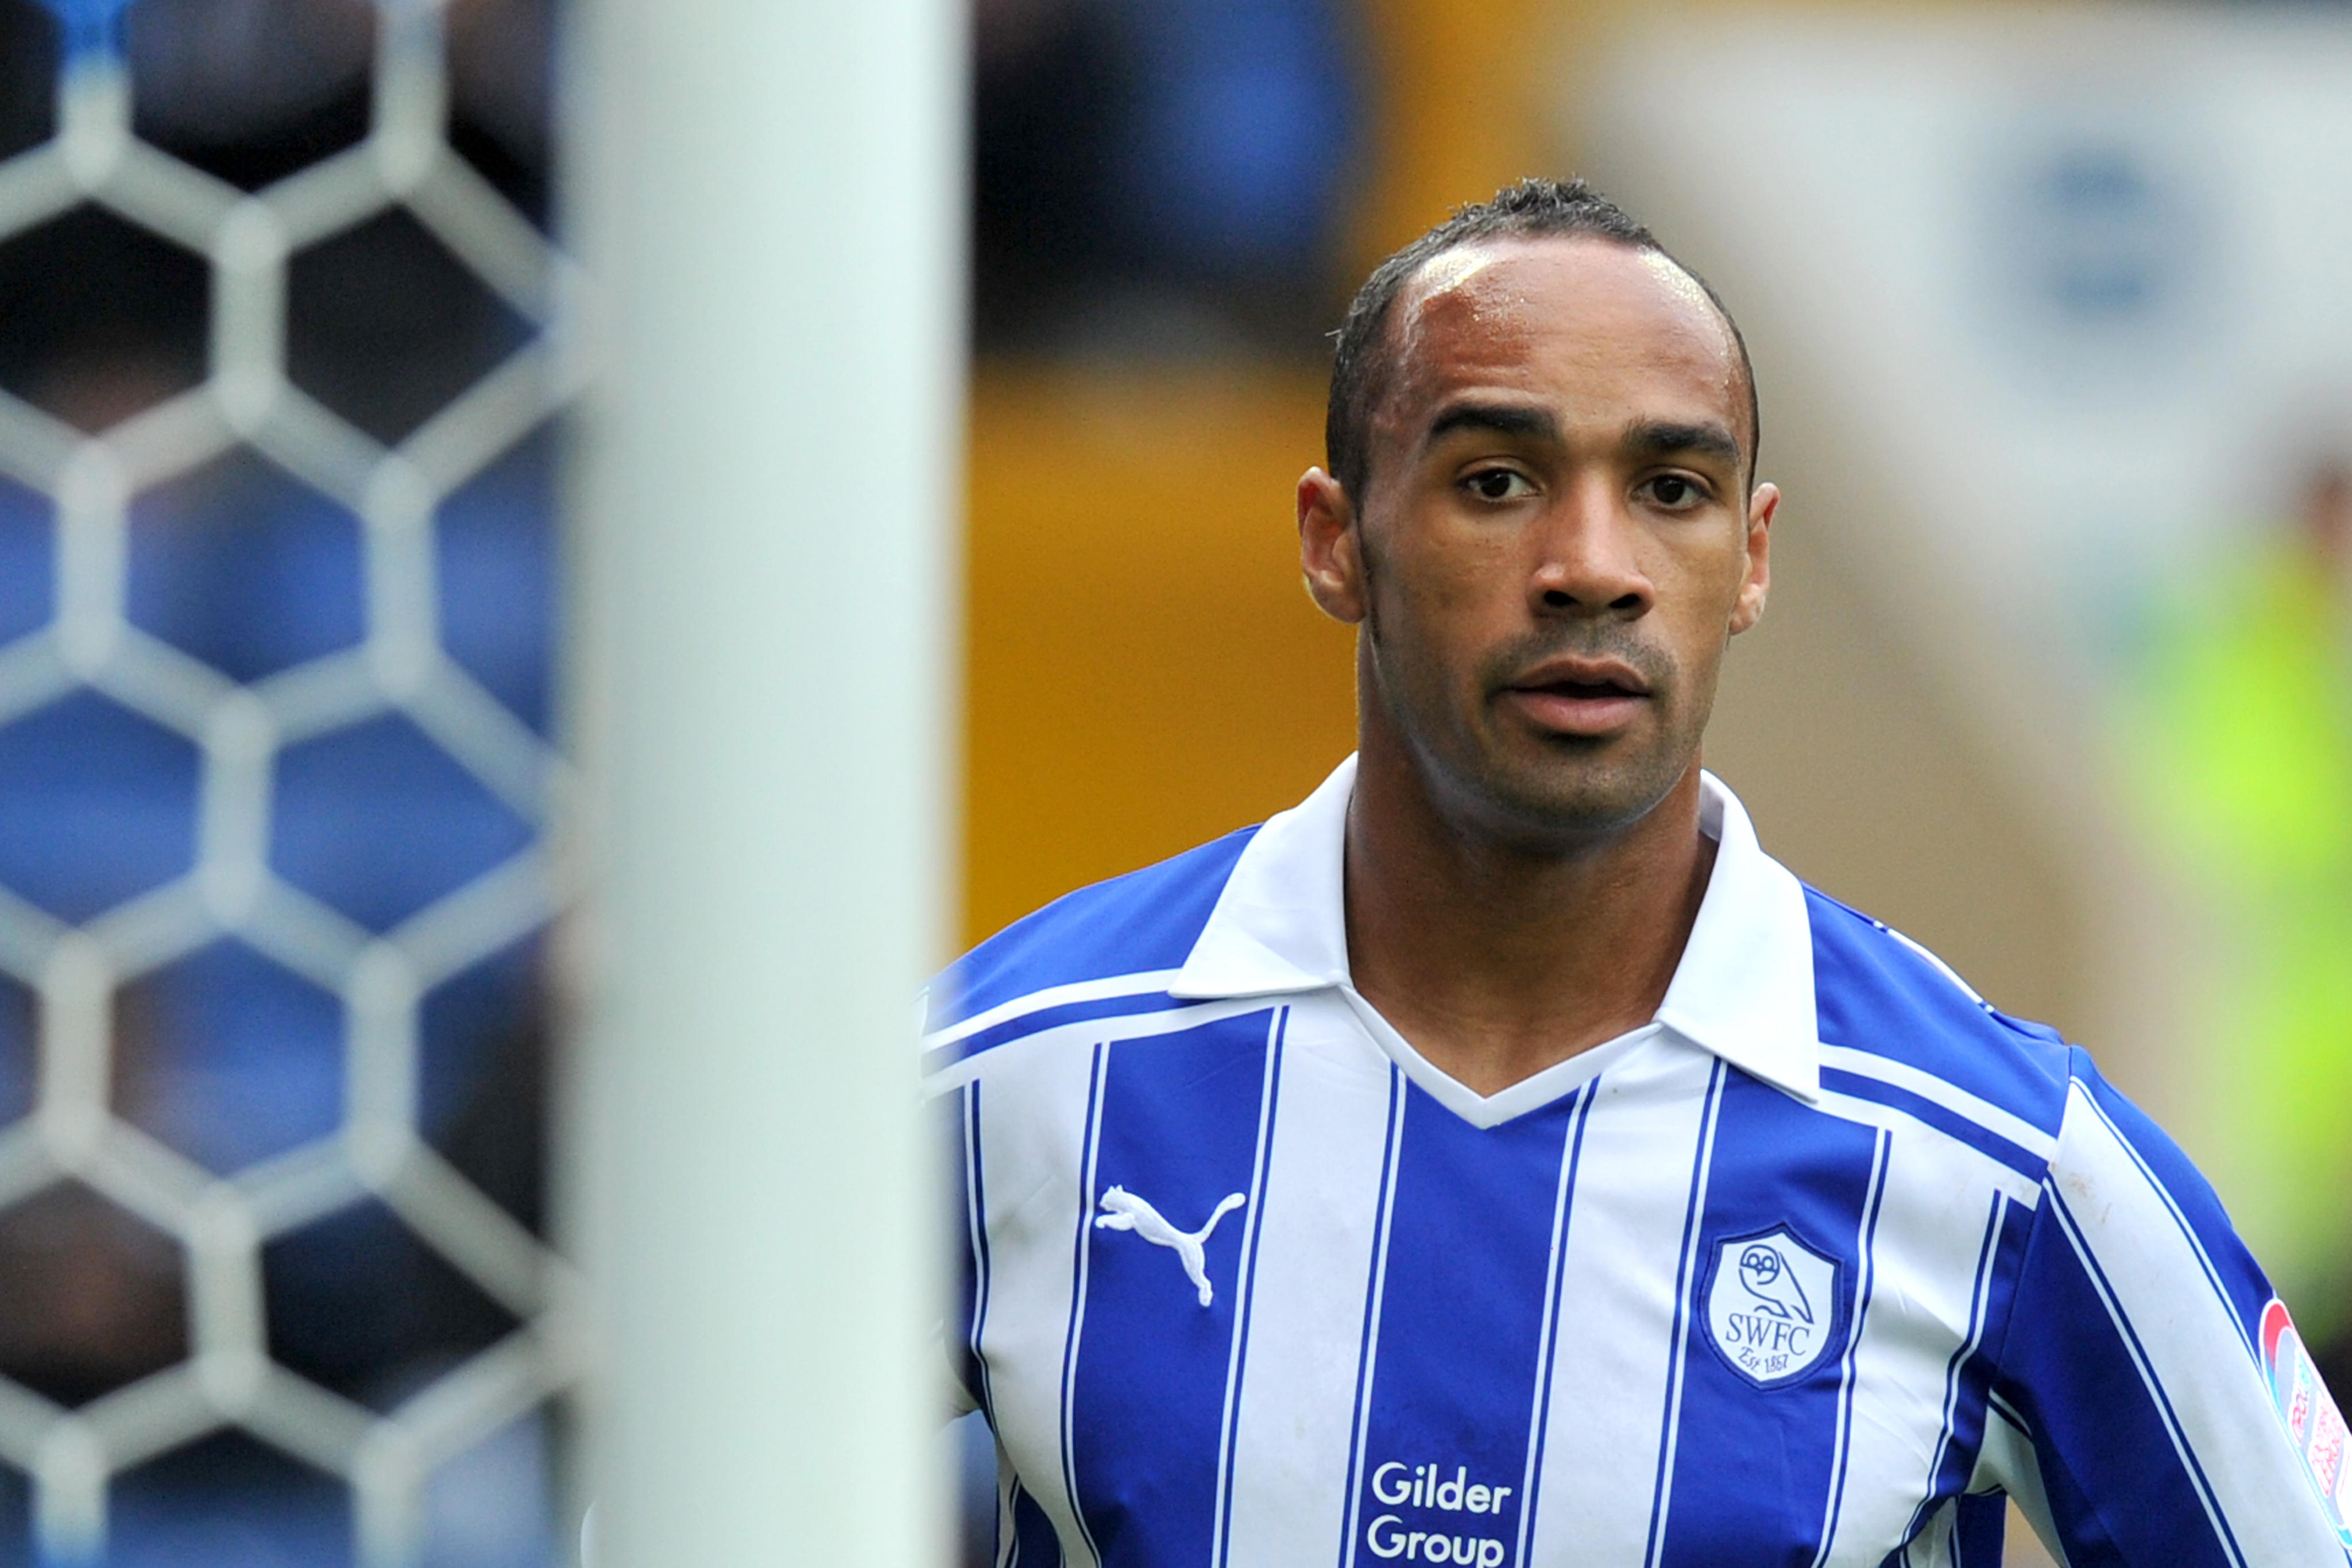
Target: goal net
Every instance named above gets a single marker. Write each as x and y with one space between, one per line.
277 790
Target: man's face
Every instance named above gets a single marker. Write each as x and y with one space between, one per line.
1556 541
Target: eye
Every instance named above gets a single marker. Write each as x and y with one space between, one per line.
1499 485
1675 492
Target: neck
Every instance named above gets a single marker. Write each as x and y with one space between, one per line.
1497 961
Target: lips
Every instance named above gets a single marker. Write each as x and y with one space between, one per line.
1580 697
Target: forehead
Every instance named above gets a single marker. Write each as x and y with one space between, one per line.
1597 330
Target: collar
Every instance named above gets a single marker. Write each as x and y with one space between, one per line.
1743 992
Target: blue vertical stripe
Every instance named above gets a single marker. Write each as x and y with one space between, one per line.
1777 1168
1539 1421
2158 1401
1469 1257
1375 1280
1980 1523
1182 1129
1247 1292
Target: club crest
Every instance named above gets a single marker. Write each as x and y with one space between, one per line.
1772 1305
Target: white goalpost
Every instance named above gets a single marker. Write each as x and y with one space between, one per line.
769 197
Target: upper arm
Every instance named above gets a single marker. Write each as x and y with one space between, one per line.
2133 1362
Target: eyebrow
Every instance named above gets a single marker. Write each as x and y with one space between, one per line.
1663 438
1496 418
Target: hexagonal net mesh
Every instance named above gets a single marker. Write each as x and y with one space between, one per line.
275 797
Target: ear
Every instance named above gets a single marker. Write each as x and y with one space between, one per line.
1748 608
1329 552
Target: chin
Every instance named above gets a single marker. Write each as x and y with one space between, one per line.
1563 802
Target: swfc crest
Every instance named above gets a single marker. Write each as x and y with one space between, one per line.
1772 1305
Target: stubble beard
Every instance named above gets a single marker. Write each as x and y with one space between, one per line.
1549 796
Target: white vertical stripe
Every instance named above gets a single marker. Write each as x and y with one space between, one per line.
2188 1231
975 1198
1980 1305
1367 1356
1924 1291
2187 1344
2008 1463
1625 1245
1031 1163
1685 1306
1937 1539
1866 1235
1307 1318
1082 1256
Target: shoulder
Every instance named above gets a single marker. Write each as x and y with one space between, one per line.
1896 1021
1117 938
1898 1024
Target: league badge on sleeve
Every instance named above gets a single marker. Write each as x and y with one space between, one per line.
1772 1305
2309 1414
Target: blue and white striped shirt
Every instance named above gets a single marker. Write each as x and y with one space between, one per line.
1810 1270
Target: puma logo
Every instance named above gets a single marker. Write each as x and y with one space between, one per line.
1125 1211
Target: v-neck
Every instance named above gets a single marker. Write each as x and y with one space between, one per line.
1532 1092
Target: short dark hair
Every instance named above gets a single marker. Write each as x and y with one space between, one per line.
1532 209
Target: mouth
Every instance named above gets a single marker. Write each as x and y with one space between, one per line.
1579 697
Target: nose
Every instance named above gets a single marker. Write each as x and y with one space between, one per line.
1586 557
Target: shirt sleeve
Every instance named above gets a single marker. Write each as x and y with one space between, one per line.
2151 1403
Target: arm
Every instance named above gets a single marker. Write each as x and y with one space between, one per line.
2135 1417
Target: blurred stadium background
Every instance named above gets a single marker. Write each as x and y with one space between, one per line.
2052 310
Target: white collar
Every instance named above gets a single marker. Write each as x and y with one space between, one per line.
1744 989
